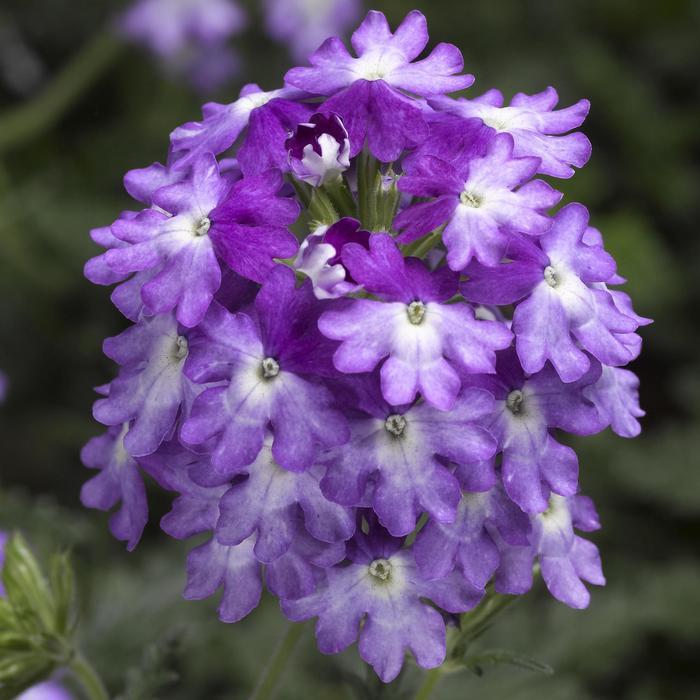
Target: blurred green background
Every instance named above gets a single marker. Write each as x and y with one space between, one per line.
638 62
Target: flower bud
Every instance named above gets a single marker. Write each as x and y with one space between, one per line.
319 151
320 253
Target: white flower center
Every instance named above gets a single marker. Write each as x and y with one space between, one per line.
380 569
395 424
470 199
203 227
514 402
270 368
416 312
550 276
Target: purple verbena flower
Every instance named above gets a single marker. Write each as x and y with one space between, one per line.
379 597
424 339
566 560
269 116
319 150
151 393
537 129
119 481
526 411
562 310
264 366
467 543
403 449
368 91
267 503
480 203
616 396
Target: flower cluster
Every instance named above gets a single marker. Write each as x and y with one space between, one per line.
358 330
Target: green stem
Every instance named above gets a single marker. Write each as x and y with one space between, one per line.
341 197
23 123
272 674
89 679
430 681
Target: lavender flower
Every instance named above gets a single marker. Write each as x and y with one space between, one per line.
265 368
382 587
367 91
188 36
566 559
304 24
119 480
565 305
151 389
478 202
357 337
536 127
424 339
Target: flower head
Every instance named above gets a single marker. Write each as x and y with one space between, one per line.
359 338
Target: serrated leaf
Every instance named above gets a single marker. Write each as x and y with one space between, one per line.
477 662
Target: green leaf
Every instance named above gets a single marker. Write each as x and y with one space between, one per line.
27 589
63 587
477 662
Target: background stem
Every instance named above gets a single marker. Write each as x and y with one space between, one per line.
430 681
272 674
25 122
88 677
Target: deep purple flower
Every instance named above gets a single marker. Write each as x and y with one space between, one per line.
562 310
319 150
403 450
186 34
151 390
176 246
269 117
320 257
119 481
367 91
536 127
425 340
304 24
481 202
379 597
467 543
527 409
566 560
174 237
264 365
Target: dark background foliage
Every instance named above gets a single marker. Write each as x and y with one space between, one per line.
638 62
